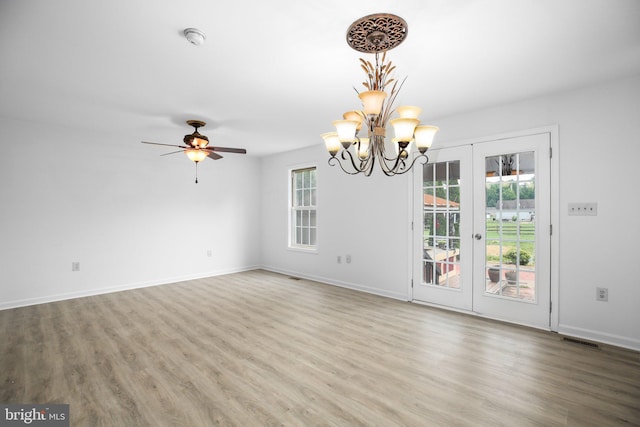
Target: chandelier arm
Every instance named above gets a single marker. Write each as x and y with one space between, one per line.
380 151
390 170
405 170
365 165
334 160
399 166
368 164
390 159
383 156
353 163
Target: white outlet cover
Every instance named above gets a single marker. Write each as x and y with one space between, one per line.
602 294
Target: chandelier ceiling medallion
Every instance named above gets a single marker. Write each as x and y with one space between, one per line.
377 34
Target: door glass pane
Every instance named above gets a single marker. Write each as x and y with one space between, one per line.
441 224
427 175
510 226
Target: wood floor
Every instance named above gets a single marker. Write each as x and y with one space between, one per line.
258 348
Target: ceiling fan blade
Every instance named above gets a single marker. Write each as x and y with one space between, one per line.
214 156
228 150
173 152
166 145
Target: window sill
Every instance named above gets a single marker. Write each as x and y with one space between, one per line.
304 249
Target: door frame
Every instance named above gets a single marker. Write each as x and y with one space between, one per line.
552 131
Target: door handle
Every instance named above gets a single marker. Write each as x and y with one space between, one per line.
478 236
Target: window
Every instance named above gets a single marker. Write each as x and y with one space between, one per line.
303 208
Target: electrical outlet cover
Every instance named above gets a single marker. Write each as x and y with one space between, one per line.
602 294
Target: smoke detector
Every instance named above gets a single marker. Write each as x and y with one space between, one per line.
195 36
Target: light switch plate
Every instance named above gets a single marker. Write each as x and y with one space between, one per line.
583 209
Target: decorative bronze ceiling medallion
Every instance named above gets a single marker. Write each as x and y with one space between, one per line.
377 33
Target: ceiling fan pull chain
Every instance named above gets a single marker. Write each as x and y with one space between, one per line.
196 172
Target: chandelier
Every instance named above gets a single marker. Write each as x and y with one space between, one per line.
377 34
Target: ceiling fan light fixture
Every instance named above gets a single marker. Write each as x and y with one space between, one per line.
196 155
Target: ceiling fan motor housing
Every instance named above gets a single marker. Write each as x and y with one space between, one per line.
196 139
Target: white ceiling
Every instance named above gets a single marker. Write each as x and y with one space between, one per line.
272 75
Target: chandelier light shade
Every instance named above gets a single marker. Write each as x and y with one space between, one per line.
346 131
332 142
409 112
404 127
376 34
372 101
363 148
424 137
354 115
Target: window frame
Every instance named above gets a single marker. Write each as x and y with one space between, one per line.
293 209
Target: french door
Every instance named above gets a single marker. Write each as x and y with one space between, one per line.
482 239
442 226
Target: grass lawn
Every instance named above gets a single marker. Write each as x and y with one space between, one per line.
510 236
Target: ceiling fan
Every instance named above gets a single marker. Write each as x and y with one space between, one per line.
197 146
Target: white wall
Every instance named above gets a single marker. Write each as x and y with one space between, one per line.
130 217
598 145
357 216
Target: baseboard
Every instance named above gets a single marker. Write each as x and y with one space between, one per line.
339 283
602 337
118 288
571 331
